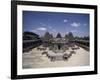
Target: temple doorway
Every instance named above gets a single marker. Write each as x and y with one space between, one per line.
59 47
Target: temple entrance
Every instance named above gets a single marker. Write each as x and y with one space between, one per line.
59 47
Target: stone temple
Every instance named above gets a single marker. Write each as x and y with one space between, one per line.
58 45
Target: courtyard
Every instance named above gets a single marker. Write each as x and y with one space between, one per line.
36 59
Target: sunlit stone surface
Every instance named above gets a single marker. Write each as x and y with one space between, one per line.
35 58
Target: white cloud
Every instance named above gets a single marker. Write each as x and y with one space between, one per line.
75 24
41 29
65 20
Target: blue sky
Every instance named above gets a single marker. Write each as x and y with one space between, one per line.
54 22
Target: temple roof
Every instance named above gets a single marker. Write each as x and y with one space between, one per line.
59 40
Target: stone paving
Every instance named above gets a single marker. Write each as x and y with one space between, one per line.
35 59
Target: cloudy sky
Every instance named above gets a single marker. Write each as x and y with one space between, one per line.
54 22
